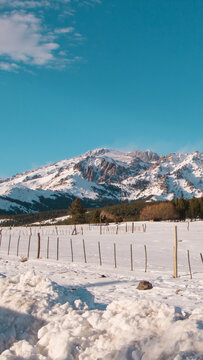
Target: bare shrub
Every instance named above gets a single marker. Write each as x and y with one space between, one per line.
162 211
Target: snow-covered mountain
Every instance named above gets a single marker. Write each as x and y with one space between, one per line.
104 176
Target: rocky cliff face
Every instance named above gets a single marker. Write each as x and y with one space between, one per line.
104 176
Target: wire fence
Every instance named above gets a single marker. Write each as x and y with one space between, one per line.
143 246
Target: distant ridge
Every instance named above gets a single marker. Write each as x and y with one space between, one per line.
104 176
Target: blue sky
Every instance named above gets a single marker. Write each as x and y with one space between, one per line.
77 75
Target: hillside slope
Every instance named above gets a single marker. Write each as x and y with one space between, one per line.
104 176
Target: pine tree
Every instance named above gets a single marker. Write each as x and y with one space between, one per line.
181 207
201 207
194 208
77 211
96 217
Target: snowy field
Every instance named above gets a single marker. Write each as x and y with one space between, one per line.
86 304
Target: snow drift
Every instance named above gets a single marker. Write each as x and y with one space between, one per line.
42 320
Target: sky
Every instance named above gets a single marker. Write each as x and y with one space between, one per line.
76 75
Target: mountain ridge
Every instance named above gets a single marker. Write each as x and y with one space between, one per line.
104 176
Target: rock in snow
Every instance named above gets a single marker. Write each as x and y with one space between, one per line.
144 285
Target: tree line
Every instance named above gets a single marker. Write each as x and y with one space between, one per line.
178 209
30 218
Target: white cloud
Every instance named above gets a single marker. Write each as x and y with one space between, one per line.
33 4
27 4
22 40
29 35
8 66
90 2
66 30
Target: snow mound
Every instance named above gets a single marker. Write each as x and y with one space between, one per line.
42 320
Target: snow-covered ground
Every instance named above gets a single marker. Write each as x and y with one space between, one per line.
59 309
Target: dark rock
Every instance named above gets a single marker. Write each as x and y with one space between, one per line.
144 285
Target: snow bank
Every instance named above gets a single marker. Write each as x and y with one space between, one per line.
42 320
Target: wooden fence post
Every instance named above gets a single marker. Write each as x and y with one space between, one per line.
9 244
57 249
28 249
48 247
175 253
18 244
99 249
188 258
38 245
74 232
71 247
84 251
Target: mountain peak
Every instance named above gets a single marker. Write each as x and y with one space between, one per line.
146 155
104 176
96 152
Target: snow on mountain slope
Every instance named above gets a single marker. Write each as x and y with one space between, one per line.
102 175
174 175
